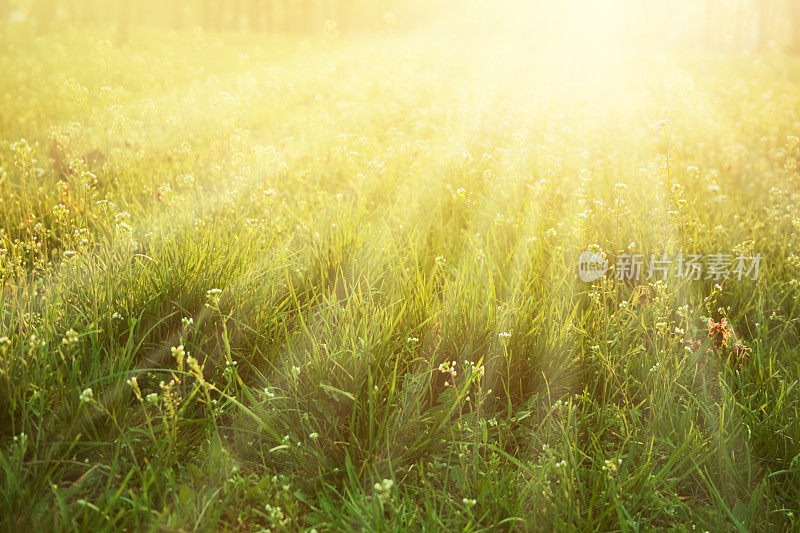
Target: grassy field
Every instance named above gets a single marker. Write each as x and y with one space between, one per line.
255 282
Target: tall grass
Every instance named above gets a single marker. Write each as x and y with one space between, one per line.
254 283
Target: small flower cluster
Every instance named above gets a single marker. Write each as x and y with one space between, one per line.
179 354
384 489
330 29
230 369
151 398
213 295
611 465
475 370
389 20
133 383
276 514
87 395
449 368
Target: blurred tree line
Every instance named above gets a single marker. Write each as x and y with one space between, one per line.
754 23
714 24
228 15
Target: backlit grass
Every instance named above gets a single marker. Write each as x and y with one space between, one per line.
256 282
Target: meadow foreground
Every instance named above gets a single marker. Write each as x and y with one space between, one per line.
258 282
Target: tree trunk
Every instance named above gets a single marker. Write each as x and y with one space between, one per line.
342 13
123 21
254 15
763 24
269 14
710 27
44 12
794 21
177 13
211 14
87 17
236 15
